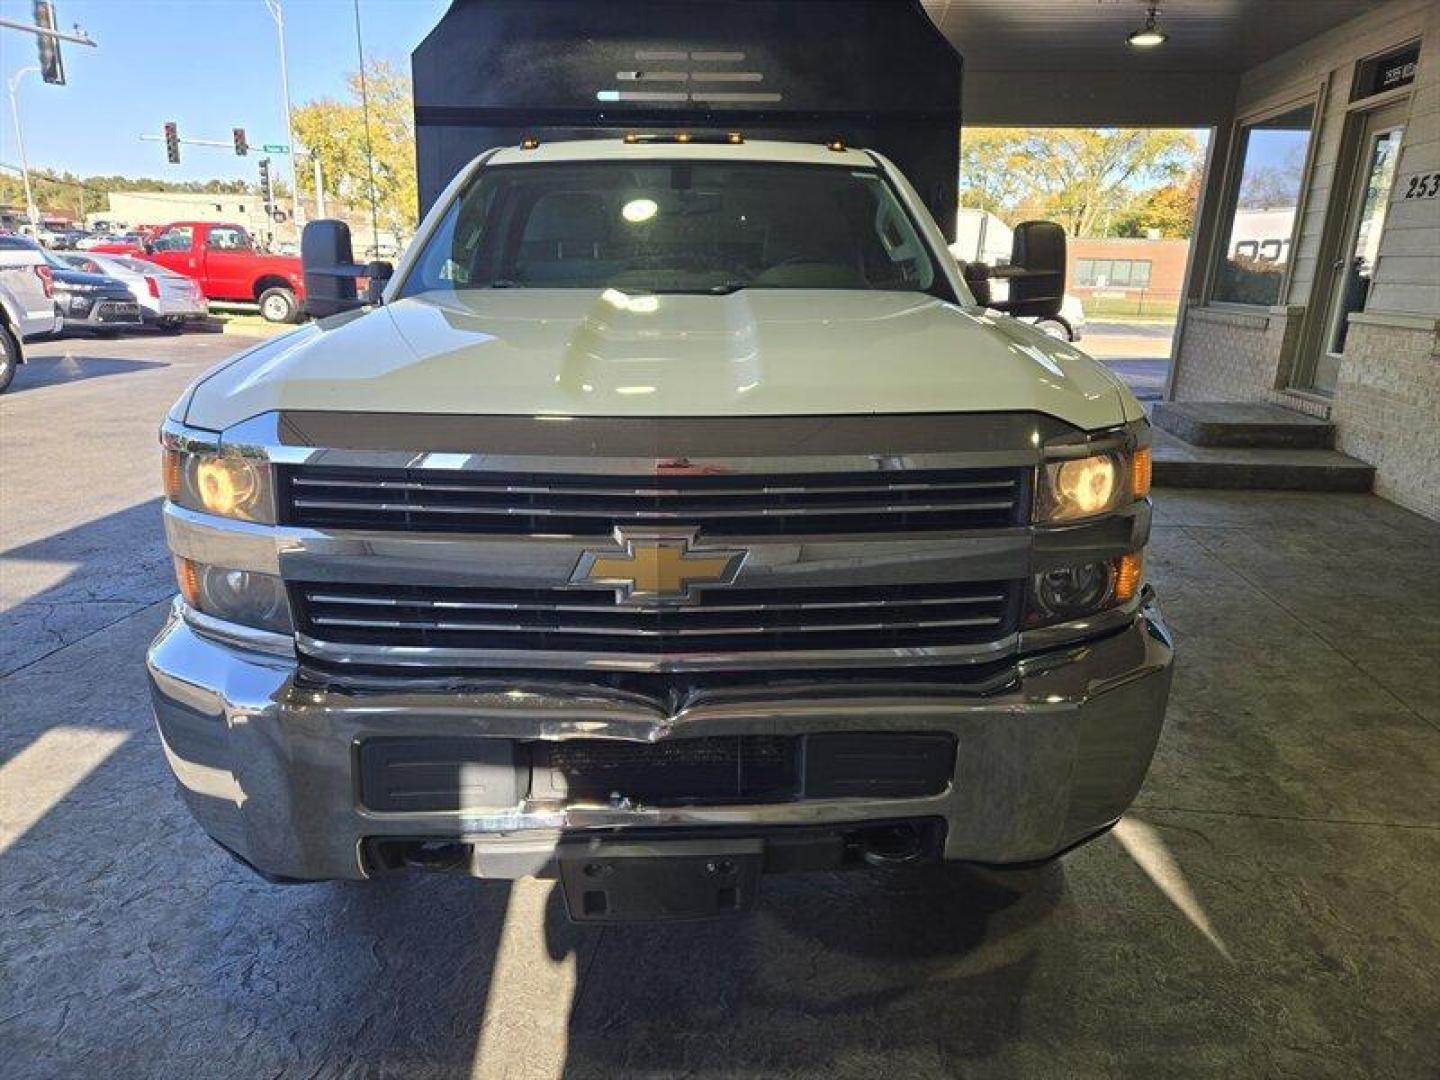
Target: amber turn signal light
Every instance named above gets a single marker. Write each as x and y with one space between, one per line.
187 574
1140 467
1129 570
171 469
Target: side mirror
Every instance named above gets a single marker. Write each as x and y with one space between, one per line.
1036 272
330 271
377 273
977 277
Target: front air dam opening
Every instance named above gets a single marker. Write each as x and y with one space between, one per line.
889 844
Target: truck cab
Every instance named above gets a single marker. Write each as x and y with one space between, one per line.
224 259
675 515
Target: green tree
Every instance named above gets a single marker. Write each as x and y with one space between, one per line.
67 193
1168 210
1084 178
335 130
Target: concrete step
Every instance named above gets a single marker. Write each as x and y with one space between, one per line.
1180 464
1227 423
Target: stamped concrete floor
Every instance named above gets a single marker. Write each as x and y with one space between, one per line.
1270 908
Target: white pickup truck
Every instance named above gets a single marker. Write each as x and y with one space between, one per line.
673 516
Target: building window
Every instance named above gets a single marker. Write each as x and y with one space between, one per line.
1112 273
1262 209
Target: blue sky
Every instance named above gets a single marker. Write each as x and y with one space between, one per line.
209 65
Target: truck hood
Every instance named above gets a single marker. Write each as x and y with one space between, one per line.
581 352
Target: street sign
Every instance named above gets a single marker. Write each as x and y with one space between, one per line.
275 148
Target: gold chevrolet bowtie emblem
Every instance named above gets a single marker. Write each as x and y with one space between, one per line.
656 566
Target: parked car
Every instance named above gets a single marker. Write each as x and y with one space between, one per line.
93 302
27 301
29 280
224 260
1069 325
825 566
166 299
94 240
12 348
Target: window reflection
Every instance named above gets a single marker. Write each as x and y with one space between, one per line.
1262 213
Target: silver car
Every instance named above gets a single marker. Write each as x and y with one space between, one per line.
29 287
166 299
27 301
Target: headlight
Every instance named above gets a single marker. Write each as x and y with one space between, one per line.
225 484
238 596
1084 487
1067 593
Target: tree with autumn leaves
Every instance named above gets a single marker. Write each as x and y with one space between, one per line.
335 130
1093 181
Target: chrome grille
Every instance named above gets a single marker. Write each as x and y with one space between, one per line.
725 505
728 620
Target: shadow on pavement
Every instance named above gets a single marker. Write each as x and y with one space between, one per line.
64 586
40 371
828 972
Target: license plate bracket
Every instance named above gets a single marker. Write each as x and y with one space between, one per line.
667 880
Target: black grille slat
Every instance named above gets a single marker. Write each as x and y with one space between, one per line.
745 619
715 769
726 505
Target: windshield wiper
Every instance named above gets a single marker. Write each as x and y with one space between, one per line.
727 288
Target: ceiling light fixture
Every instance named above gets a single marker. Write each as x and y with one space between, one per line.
1149 35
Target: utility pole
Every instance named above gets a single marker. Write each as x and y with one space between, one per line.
14 83
277 12
319 185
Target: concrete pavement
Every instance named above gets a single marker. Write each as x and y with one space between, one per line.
1270 908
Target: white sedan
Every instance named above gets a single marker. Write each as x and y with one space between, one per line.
166 299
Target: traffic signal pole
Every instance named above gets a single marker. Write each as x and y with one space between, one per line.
30 212
277 12
79 37
49 39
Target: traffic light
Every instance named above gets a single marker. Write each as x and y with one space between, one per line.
52 64
241 146
266 189
172 143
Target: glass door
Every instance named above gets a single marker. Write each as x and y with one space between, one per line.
1354 269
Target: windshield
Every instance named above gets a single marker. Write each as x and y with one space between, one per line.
688 226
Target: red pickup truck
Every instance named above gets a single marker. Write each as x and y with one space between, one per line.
223 259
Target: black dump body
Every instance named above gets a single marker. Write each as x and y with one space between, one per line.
875 73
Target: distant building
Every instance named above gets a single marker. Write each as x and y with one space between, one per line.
1122 268
136 208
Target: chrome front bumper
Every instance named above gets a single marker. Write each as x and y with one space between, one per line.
267 763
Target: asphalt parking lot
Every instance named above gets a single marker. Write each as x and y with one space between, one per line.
1271 907
1138 351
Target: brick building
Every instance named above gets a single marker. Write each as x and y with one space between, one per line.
1314 278
1114 268
1328 301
